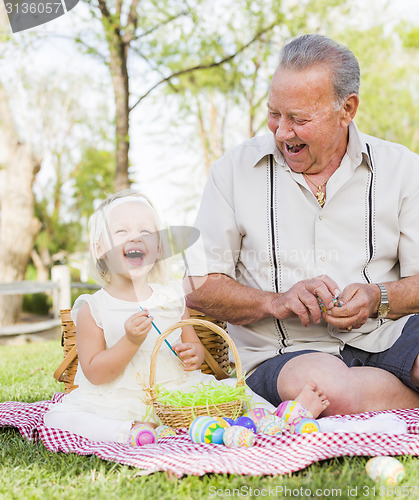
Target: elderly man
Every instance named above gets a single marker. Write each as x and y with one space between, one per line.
311 241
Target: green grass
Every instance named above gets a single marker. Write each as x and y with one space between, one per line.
30 471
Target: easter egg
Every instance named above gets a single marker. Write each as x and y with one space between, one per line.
386 469
271 425
230 421
304 426
246 422
163 431
256 414
206 430
291 411
223 422
142 434
238 437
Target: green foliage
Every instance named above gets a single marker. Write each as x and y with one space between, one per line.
389 105
411 38
37 303
57 233
93 179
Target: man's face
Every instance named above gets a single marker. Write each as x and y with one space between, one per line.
308 128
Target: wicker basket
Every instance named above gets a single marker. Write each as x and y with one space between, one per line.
216 349
66 371
176 417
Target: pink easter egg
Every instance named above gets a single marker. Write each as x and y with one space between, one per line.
256 414
141 435
290 411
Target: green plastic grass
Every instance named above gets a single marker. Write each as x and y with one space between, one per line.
209 395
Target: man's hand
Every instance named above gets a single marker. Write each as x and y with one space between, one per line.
359 302
302 300
137 327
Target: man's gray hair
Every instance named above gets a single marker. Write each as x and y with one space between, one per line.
308 50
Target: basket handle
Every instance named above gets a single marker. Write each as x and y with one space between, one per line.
219 372
198 322
65 363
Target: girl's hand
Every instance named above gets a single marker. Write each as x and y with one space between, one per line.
137 327
190 354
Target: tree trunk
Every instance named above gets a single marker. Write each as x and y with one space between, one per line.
119 72
18 226
118 50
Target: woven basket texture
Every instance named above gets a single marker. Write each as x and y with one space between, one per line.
175 416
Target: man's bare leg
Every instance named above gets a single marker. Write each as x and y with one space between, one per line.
414 372
349 390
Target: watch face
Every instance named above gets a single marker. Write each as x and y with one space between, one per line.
383 310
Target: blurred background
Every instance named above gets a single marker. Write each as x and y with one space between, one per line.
149 93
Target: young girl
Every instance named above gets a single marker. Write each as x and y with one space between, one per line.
114 329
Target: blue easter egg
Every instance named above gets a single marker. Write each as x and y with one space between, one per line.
202 430
246 422
305 426
229 420
217 436
196 428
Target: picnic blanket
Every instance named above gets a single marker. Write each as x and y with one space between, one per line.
271 455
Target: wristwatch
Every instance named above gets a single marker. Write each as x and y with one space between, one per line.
384 306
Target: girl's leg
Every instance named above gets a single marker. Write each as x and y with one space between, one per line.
89 425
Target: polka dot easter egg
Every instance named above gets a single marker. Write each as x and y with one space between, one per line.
163 431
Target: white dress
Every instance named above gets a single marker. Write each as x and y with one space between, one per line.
106 412
123 398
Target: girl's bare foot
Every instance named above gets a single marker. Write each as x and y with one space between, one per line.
313 399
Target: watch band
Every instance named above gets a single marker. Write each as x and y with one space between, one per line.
384 306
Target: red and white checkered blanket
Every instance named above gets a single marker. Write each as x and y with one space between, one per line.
270 456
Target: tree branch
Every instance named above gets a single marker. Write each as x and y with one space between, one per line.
163 23
132 22
204 66
118 8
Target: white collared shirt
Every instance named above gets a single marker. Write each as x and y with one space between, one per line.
261 225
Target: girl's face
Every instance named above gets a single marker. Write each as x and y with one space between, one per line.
131 238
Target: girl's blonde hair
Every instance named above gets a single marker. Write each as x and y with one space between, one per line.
98 232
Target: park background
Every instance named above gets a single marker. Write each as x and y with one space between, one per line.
149 93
